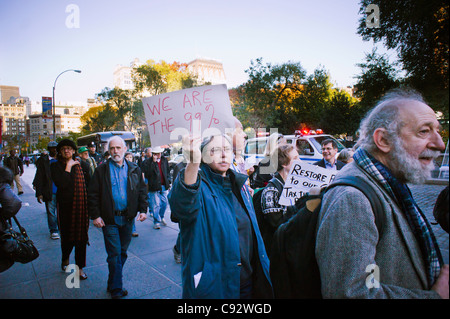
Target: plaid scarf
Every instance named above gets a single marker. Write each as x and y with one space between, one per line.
415 217
80 220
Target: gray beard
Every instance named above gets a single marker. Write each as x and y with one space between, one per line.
408 169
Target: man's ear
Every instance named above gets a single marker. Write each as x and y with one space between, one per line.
381 140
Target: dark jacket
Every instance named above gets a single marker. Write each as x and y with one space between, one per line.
10 203
100 200
338 164
153 176
269 213
210 239
14 163
42 182
64 182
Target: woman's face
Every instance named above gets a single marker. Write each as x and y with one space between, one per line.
218 154
293 155
66 152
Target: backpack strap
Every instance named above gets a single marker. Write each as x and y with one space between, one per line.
362 185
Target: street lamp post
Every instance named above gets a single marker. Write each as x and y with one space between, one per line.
53 101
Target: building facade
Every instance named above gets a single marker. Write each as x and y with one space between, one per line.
122 75
13 119
207 71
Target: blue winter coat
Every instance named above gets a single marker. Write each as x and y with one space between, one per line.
210 241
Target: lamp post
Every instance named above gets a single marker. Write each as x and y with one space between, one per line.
53 101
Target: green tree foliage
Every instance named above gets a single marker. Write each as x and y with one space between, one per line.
285 97
162 77
418 30
377 77
341 114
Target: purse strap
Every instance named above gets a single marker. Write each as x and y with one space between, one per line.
22 230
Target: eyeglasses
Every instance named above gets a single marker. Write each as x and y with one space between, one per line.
217 150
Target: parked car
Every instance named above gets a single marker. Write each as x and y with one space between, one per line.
308 146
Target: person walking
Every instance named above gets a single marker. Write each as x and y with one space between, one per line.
46 189
15 164
156 171
399 139
71 197
223 254
117 193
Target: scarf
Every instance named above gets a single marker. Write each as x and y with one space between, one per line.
416 219
79 220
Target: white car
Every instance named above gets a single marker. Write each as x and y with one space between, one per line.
308 146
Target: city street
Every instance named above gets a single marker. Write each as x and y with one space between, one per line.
150 271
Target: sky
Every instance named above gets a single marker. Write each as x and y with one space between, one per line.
41 39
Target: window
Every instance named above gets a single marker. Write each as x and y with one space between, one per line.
304 148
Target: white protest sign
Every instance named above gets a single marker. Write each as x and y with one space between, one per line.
169 116
302 178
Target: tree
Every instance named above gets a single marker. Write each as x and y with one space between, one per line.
377 77
418 31
157 78
341 114
99 119
312 103
120 103
269 93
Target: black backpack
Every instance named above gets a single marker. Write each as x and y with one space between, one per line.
264 227
293 266
440 210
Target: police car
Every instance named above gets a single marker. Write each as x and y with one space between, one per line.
307 142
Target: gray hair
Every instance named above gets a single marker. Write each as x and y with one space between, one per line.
116 138
208 139
385 115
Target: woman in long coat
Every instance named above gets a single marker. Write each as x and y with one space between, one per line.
71 196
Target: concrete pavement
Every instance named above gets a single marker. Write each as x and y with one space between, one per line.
150 271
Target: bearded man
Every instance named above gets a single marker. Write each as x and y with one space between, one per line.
399 139
117 192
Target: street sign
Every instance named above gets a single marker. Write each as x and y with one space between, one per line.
46 105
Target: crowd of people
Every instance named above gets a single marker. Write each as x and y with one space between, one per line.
228 213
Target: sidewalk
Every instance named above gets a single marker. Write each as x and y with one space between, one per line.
149 273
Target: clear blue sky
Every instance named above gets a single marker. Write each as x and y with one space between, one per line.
36 45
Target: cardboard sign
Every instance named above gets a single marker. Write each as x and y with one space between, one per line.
302 178
169 116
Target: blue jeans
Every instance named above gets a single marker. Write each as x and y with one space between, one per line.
117 239
52 219
157 202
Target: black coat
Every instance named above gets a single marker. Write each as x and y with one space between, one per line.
100 200
42 182
153 176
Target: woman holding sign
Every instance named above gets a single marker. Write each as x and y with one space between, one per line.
269 212
223 254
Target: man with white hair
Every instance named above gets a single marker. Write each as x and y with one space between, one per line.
117 192
399 139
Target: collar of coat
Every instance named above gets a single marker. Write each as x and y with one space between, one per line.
214 178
